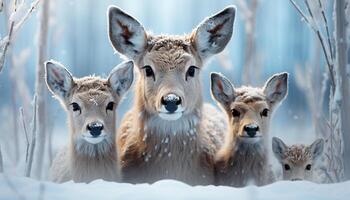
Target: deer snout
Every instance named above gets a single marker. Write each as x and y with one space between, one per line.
95 128
251 129
171 102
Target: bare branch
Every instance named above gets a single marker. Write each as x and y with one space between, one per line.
26 16
319 36
25 132
6 45
1 5
13 30
327 29
32 145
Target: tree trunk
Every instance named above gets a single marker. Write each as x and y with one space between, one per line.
341 63
40 88
1 163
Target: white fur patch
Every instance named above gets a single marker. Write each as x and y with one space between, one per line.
86 145
164 114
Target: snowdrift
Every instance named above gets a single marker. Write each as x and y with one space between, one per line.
25 188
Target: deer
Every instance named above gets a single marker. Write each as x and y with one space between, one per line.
169 133
243 158
90 103
298 161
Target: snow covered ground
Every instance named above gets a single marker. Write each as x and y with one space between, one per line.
25 188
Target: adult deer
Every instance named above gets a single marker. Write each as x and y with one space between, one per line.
169 132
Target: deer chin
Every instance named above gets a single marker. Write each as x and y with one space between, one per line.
94 140
251 140
168 116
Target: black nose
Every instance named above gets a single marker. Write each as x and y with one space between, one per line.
296 179
171 102
251 129
95 128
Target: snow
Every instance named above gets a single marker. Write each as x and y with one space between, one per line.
17 187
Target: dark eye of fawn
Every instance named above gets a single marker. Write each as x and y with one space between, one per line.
110 106
265 112
235 113
149 72
286 167
190 72
308 167
76 107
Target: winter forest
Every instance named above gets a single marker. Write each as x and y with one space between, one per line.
179 99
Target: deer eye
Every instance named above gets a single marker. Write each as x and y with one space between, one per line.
191 72
149 71
76 107
286 167
235 113
110 106
265 113
308 167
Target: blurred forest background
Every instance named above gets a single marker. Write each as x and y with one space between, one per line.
270 36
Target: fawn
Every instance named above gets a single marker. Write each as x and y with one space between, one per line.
244 154
90 103
298 161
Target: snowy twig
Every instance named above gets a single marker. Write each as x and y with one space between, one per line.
26 16
32 145
327 29
6 44
25 132
319 36
14 27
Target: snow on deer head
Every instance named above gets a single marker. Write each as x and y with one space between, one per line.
297 160
249 109
90 103
169 85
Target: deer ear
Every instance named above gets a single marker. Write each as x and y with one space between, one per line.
317 148
276 88
126 34
278 148
222 89
212 35
58 79
121 77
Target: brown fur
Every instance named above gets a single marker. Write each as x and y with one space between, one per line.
152 145
298 161
87 158
243 159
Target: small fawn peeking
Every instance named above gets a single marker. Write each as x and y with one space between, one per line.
244 154
90 103
297 160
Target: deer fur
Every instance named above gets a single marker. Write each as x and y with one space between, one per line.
87 158
298 161
243 159
155 145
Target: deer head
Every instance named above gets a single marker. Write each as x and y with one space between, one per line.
169 66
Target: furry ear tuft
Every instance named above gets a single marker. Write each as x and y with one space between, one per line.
121 77
126 34
222 89
212 35
58 79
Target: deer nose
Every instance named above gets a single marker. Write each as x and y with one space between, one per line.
171 102
95 128
251 129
